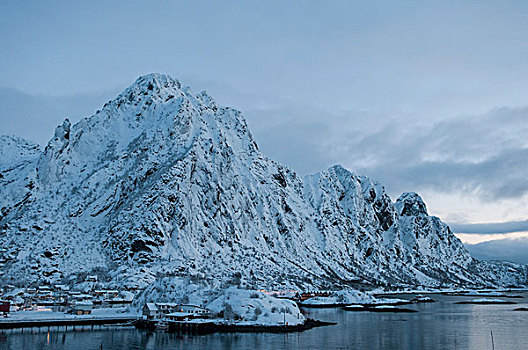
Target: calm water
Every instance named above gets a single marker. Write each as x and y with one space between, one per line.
441 325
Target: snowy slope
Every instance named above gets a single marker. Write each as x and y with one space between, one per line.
164 183
17 166
436 252
359 224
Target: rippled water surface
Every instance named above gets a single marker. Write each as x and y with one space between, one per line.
441 325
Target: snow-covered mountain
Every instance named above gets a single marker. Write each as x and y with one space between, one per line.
162 182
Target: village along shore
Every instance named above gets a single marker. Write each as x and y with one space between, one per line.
231 310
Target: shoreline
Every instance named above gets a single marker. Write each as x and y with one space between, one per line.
221 327
212 327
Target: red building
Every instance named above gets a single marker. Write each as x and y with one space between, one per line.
307 295
4 306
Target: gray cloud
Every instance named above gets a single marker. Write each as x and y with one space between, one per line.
491 228
298 137
34 117
485 155
499 177
514 250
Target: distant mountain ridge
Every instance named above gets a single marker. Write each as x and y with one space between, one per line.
164 182
513 249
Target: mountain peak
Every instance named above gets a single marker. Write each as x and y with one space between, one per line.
157 88
338 168
149 88
411 204
156 80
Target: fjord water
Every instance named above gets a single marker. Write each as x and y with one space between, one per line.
440 325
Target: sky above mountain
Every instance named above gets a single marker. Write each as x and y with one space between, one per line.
423 97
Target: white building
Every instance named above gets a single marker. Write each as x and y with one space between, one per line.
173 310
151 311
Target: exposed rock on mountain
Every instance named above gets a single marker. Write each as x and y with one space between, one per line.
162 182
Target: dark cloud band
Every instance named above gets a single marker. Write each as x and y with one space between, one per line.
491 228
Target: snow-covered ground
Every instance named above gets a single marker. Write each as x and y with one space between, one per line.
352 297
245 307
489 301
389 301
341 297
233 304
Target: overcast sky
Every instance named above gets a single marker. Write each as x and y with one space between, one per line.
429 97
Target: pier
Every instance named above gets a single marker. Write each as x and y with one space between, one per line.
66 322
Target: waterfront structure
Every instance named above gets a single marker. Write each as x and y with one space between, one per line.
82 308
151 311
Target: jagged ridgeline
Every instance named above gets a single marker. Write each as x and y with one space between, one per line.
163 182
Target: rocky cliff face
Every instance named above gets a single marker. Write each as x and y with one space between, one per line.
433 248
359 225
162 182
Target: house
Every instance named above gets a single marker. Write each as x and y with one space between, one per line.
28 304
189 312
106 294
82 307
44 293
312 294
285 294
4 306
62 287
166 308
92 278
195 311
81 297
151 311
174 311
